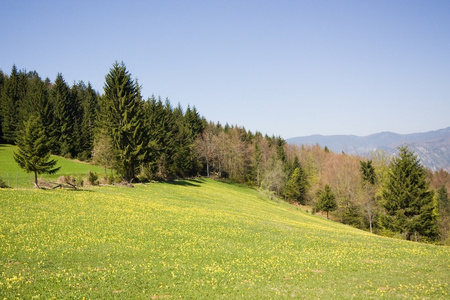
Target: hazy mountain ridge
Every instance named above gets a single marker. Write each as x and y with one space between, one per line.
432 147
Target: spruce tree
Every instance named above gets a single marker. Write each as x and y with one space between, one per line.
326 200
184 160
161 141
195 123
443 207
3 78
443 201
408 200
34 149
64 110
167 141
123 119
37 103
154 133
295 188
90 107
10 106
368 172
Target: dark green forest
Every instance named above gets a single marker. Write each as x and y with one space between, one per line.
143 140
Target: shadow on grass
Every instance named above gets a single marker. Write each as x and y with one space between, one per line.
235 183
66 189
186 182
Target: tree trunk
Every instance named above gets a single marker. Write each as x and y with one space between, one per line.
408 236
35 180
327 214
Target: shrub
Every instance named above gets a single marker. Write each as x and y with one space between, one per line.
92 178
71 180
3 184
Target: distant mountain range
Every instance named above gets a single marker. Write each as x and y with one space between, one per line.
433 147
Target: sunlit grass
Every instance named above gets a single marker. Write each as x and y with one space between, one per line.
199 239
16 177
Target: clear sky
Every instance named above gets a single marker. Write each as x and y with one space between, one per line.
288 68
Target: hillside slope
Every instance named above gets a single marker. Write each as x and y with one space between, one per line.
16 177
199 239
433 147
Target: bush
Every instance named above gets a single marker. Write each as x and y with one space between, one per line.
113 179
92 178
71 180
84 156
44 184
3 184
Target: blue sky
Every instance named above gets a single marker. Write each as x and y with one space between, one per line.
288 68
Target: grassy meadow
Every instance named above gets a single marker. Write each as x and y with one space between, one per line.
16 177
199 239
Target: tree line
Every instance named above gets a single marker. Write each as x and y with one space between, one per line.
67 114
149 139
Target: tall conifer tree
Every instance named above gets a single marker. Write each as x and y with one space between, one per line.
2 83
153 124
64 116
443 207
37 103
408 199
10 106
123 119
90 107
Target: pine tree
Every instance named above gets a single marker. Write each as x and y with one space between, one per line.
3 78
64 111
10 106
153 111
326 200
163 132
443 206
90 109
34 150
195 123
86 104
295 188
407 198
124 120
443 201
368 172
37 103
185 163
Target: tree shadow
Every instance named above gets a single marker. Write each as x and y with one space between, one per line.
186 182
66 188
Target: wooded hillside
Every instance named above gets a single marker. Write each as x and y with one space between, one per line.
149 139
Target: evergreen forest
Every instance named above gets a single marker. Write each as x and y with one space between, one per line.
139 139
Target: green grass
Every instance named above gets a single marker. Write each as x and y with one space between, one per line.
200 240
16 177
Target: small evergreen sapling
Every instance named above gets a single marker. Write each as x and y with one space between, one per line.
34 150
326 200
